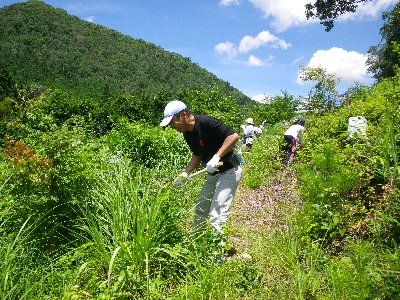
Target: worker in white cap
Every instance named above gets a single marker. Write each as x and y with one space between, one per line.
249 132
211 143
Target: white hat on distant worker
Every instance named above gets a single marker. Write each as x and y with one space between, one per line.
250 121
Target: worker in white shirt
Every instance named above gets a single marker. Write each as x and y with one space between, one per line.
249 132
294 136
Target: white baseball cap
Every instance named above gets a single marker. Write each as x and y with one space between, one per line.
171 109
250 121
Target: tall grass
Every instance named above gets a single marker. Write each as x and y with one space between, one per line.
132 229
11 249
13 266
22 269
264 158
290 264
390 153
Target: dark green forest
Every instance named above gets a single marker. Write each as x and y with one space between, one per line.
87 205
46 46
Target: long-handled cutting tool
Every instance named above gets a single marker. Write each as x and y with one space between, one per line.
204 170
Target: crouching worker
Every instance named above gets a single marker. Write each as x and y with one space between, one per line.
294 137
211 142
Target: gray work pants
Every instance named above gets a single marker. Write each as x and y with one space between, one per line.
216 197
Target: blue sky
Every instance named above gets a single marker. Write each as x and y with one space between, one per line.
255 45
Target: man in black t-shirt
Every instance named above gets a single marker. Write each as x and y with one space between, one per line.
211 142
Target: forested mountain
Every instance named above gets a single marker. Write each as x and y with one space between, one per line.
44 45
88 204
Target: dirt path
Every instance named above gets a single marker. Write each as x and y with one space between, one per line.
260 210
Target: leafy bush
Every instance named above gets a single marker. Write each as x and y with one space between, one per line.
341 179
48 174
360 272
152 147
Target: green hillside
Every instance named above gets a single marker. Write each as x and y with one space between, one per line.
88 208
47 46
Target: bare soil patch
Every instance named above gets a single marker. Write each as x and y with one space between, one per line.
258 211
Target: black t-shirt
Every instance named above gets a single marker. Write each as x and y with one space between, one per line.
207 137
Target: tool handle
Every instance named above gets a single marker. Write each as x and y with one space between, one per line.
204 170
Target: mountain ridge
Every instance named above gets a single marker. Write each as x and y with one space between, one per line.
46 45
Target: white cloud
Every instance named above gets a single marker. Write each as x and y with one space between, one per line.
371 9
249 43
349 66
255 61
90 19
262 98
284 13
282 44
297 60
289 13
228 2
227 49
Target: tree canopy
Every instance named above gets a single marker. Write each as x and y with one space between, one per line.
328 11
323 96
384 58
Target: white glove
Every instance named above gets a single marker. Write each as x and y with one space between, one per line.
180 180
211 165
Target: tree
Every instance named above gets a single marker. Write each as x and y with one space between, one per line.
278 108
7 84
383 59
323 96
329 10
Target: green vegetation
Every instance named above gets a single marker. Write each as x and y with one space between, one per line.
89 60
383 59
328 11
323 95
88 211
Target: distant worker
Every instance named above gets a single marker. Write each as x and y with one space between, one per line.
294 137
211 142
250 132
